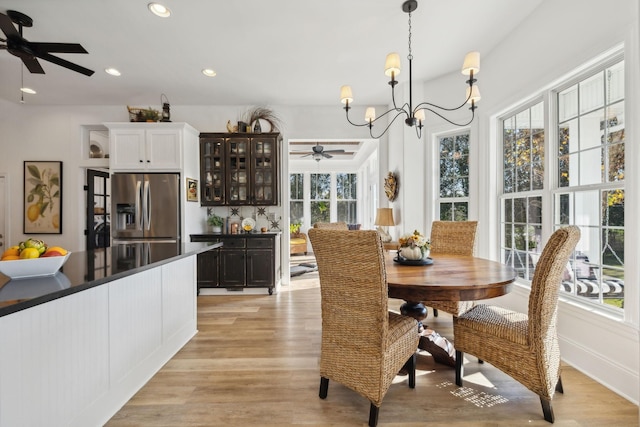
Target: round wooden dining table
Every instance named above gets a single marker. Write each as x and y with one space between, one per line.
448 278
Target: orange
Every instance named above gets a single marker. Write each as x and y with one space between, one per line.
10 257
28 253
57 249
13 250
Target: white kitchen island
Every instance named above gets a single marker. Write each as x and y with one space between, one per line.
76 354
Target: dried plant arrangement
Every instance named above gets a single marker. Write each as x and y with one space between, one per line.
262 113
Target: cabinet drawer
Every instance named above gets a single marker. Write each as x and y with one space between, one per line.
233 243
260 243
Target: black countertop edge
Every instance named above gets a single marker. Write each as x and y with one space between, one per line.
75 275
237 235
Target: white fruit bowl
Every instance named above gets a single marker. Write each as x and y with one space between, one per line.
20 268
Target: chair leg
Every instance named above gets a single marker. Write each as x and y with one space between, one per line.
547 410
559 388
324 387
410 367
373 415
435 312
459 368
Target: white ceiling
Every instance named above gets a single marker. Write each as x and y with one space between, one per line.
275 52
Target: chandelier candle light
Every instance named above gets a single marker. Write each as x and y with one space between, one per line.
415 116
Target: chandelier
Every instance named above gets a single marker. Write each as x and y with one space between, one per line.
415 116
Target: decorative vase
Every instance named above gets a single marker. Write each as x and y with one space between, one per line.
217 229
411 253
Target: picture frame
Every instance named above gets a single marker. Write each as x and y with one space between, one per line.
192 190
42 197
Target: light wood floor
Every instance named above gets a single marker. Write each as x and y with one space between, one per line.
254 362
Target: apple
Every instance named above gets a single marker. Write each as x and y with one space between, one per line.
50 253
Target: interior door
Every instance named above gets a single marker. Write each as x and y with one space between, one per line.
98 226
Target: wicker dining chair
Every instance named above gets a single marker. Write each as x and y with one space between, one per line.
524 346
331 225
364 345
452 237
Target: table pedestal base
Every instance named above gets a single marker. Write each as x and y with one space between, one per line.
417 310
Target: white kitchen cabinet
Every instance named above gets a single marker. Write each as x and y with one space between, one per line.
139 149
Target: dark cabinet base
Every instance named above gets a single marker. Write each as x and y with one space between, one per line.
243 261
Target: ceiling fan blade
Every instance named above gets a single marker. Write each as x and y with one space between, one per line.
57 47
64 63
334 151
328 156
32 64
7 27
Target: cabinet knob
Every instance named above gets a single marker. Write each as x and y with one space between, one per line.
140 160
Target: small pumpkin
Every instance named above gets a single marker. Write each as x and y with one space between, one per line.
412 253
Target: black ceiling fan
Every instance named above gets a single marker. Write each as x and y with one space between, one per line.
29 52
318 152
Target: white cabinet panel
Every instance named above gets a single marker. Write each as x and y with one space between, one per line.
178 303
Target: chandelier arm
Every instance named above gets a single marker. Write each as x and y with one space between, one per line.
355 124
473 113
420 106
388 126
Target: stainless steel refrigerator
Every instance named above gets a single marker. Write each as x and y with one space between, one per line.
146 207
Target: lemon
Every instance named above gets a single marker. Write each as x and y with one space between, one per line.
29 253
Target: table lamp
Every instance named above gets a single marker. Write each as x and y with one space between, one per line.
384 218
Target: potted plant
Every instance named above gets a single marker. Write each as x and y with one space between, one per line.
294 228
215 222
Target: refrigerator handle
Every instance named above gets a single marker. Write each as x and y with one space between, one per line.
138 202
147 207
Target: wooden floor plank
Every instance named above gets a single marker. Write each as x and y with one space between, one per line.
254 362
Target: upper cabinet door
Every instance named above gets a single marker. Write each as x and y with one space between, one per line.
264 173
212 171
163 149
127 149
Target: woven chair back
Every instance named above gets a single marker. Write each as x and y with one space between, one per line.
453 237
353 288
331 225
547 277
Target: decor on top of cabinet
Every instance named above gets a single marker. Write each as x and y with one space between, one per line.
166 108
253 117
143 114
42 197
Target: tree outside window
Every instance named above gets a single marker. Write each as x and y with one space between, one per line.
296 198
346 195
320 197
453 197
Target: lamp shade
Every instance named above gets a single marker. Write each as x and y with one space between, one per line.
471 63
370 114
384 216
475 95
346 95
392 65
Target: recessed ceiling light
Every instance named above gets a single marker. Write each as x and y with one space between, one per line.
159 10
208 72
28 90
112 71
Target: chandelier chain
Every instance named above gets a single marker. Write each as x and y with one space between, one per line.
410 57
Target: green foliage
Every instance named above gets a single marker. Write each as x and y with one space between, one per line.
215 220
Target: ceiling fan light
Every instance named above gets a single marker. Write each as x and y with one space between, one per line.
159 10
209 72
471 63
112 71
28 90
392 65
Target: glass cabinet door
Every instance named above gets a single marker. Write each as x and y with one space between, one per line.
212 171
264 170
238 173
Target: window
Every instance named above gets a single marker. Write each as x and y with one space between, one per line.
591 166
454 177
296 198
585 186
320 197
346 195
523 142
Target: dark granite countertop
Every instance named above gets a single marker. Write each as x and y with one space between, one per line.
84 270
